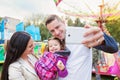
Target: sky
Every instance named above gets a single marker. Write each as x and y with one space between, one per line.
20 9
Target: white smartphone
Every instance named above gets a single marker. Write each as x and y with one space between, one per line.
74 35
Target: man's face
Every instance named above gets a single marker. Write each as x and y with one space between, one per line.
57 29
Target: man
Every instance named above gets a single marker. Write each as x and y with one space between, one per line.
79 63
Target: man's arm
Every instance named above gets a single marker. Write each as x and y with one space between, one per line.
99 40
109 45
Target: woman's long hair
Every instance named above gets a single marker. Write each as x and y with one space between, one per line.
15 49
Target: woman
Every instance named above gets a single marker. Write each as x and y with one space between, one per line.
19 62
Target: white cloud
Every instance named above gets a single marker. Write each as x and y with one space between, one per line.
22 8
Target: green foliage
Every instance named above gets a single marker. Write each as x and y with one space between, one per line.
35 19
44 32
38 20
78 23
0 18
113 27
27 24
70 22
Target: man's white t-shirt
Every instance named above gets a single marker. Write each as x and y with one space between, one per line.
79 63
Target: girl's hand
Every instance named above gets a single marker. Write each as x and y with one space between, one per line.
60 65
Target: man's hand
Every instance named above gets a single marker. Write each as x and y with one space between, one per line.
94 36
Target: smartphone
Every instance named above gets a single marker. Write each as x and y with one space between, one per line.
74 35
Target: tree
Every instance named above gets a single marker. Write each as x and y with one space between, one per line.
1 18
78 23
44 32
113 27
35 19
38 20
70 22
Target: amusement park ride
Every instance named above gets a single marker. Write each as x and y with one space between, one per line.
102 10
100 19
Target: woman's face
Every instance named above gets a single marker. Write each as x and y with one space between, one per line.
30 47
53 46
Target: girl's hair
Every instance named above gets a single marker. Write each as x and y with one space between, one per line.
62 45
15 48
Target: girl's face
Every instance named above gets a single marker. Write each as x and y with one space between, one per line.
30 47
53 46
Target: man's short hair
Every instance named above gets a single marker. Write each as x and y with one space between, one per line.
51 18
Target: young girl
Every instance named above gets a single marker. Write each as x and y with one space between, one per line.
53 62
